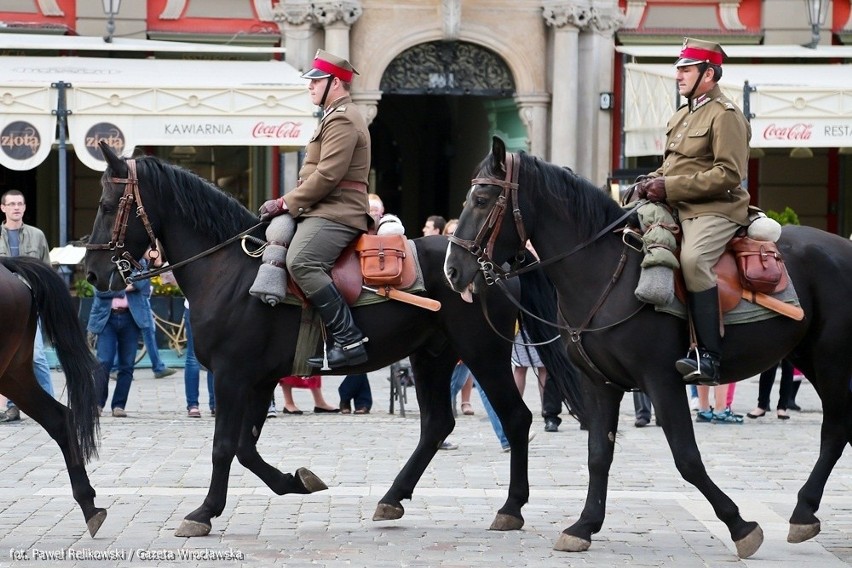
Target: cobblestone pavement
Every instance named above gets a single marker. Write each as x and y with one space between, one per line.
154 468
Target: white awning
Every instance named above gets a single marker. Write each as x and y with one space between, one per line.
791 105
66 43
158 102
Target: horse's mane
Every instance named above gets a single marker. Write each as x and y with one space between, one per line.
205 207
570 195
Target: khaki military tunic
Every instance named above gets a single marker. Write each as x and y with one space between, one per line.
705 161
339 151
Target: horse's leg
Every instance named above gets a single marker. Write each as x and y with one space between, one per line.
516 418
432 385
21 387
602 403
231 393
835 433
303 481
669 399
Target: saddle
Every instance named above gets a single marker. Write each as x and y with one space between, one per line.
752 270
374 260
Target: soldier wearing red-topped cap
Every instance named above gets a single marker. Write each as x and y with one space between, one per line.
704 164
329 204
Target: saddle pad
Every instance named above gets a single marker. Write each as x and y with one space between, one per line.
743 312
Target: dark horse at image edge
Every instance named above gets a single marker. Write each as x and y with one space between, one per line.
633 346
75 427
250 345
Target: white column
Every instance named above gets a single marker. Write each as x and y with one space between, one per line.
533 112
566 78
337 39
298 32
567 18
368 102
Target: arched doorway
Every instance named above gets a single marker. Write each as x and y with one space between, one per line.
441 102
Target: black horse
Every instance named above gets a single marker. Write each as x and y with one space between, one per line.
615 338
250 345
41 293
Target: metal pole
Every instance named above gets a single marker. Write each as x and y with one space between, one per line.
747 91
62 113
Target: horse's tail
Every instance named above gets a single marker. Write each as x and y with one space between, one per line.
538 296
62 327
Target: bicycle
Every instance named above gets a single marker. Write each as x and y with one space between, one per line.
175 333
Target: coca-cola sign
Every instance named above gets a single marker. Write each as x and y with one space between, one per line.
289 129
796 131
107 132
20 140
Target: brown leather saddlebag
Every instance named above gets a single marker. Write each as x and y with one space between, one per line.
759 263
382 258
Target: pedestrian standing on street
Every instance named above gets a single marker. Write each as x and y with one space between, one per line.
192 373
642 408
434 225
767 379
149 334
117 319
19 239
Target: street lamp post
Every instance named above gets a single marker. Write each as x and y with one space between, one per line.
111 8
817 12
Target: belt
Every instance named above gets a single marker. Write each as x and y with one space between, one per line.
120 310
347 184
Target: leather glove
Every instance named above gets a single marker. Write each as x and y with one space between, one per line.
654 189
272 208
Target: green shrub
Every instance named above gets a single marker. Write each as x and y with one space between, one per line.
786 217
83 289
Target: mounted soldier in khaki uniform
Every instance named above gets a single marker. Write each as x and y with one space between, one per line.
329 204
704 164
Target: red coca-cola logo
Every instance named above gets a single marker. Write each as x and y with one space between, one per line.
286 129
20 140
798 131
106 132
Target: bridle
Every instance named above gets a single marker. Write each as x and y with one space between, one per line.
123 260
494 274
482 245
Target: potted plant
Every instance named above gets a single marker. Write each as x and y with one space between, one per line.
84 294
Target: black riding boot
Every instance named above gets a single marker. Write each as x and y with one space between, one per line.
702 365
347 345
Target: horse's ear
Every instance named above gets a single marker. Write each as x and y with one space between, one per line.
115 163
498 150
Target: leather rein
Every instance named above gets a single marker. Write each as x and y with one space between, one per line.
493 273
123 260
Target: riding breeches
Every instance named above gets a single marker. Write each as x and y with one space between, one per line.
704 241
314 249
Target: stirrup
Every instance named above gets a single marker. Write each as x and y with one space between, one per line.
703 369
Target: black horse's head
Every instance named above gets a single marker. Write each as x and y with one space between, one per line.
488 233
119 238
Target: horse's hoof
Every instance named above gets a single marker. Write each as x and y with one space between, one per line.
311 482
193 528
801 533
385 512
749 544
94 522
570 543
504 522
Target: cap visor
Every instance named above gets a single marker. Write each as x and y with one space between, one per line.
315 74
685 61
